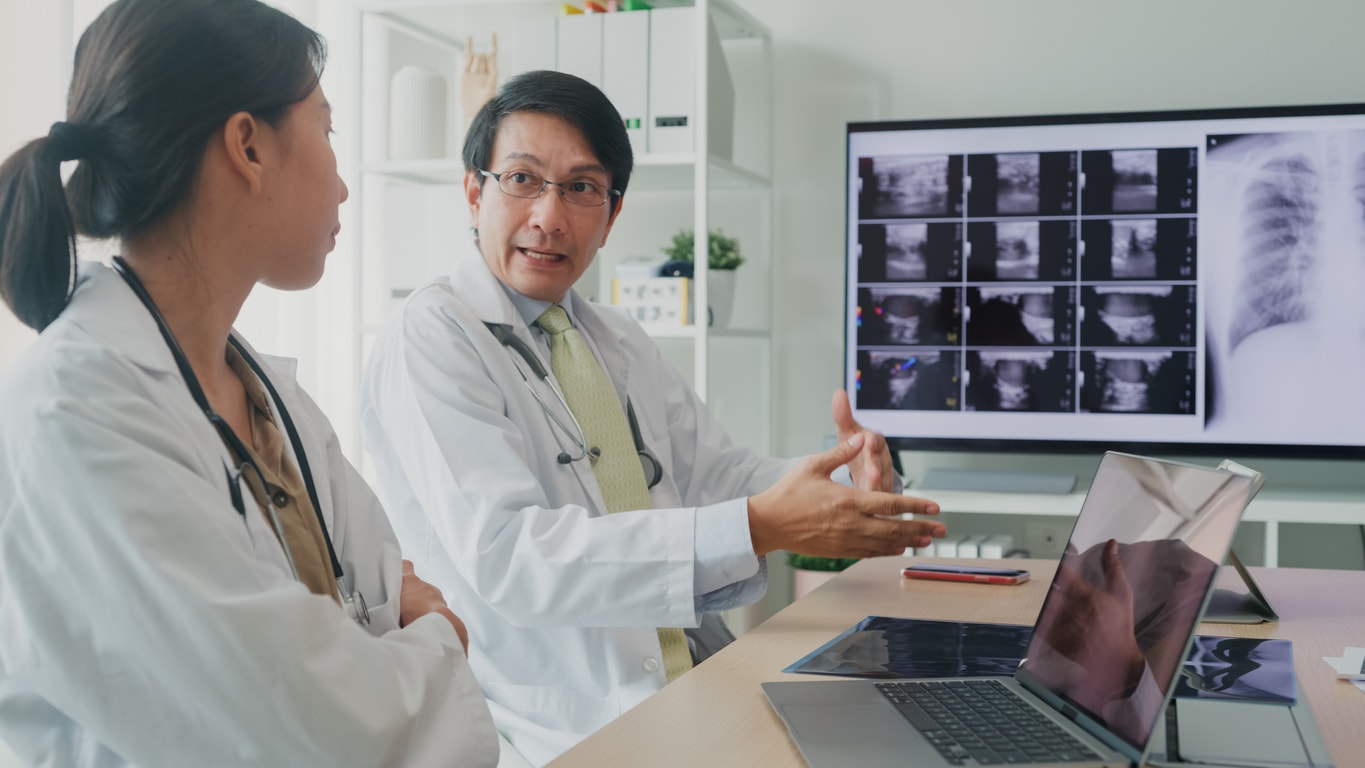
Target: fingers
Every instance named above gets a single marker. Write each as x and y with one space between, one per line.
824 463
469 54
407 568
1114 577
903 535
842 412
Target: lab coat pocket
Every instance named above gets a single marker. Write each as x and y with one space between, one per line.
555 708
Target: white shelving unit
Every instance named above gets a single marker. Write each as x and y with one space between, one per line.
412 216
1272 507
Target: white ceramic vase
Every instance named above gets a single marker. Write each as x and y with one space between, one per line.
417 114
721 287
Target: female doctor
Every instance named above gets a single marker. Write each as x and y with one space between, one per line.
190 572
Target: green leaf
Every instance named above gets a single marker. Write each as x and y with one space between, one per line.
814 563
722 251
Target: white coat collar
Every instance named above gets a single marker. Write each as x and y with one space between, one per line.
107 309
481 291
110 312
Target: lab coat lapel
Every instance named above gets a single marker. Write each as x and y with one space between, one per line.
481 292
110 312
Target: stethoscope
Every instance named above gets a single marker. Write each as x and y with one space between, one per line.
654 471
352 601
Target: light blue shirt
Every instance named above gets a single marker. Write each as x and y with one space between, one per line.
722 544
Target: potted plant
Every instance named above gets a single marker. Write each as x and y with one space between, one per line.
810 571
722 258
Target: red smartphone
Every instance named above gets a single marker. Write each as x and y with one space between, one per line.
969 573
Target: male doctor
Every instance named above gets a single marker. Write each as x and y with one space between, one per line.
499 478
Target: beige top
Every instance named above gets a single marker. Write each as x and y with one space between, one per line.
302 529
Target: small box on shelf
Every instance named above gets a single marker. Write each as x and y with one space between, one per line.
659 300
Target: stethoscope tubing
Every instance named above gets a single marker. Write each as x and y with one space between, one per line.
226 433
519 349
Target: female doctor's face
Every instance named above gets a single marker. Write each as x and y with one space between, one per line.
539 246
300 219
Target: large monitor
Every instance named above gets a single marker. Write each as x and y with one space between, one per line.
1189 282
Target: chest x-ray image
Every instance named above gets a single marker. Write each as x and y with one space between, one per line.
1284 256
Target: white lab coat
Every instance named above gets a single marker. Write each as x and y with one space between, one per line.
142 623
562 601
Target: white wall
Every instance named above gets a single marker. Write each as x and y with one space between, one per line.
912 59
32 97
915 59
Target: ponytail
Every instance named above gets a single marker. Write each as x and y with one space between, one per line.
152 80
37 234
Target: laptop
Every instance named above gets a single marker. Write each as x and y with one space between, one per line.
1101 662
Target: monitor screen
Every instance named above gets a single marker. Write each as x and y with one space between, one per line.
1182 281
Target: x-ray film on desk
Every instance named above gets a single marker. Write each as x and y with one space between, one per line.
885 647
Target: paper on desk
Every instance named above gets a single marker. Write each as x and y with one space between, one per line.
1350 662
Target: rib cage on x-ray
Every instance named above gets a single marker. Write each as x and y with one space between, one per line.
1280 214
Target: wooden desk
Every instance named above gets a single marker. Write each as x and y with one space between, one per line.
716 714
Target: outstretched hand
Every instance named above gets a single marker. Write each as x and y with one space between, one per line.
872 468
806 512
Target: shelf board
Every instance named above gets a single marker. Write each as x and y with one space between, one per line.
453 18
671 171
1277 505
671 331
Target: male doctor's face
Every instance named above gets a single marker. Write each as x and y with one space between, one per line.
539 246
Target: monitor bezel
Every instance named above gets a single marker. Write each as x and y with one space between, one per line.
1062 446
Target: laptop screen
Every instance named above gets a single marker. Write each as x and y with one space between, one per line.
1118 618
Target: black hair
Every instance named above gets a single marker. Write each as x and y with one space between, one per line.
575 100
153 79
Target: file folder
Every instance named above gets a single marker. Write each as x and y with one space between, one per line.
625 71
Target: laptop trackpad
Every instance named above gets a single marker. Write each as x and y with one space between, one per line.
1231 732
846 722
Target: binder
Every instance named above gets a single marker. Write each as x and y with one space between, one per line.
625 71
580 46
672 84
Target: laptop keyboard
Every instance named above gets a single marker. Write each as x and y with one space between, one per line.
983 721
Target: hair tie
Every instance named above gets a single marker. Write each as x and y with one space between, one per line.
72 141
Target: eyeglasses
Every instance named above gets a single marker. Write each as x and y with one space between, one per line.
525 184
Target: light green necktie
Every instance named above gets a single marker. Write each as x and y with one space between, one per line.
620 478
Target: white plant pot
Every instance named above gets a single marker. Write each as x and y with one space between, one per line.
417 114
721 286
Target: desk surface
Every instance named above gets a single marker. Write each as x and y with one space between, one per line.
716 714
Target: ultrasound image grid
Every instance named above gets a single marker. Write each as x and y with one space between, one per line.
1017 253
